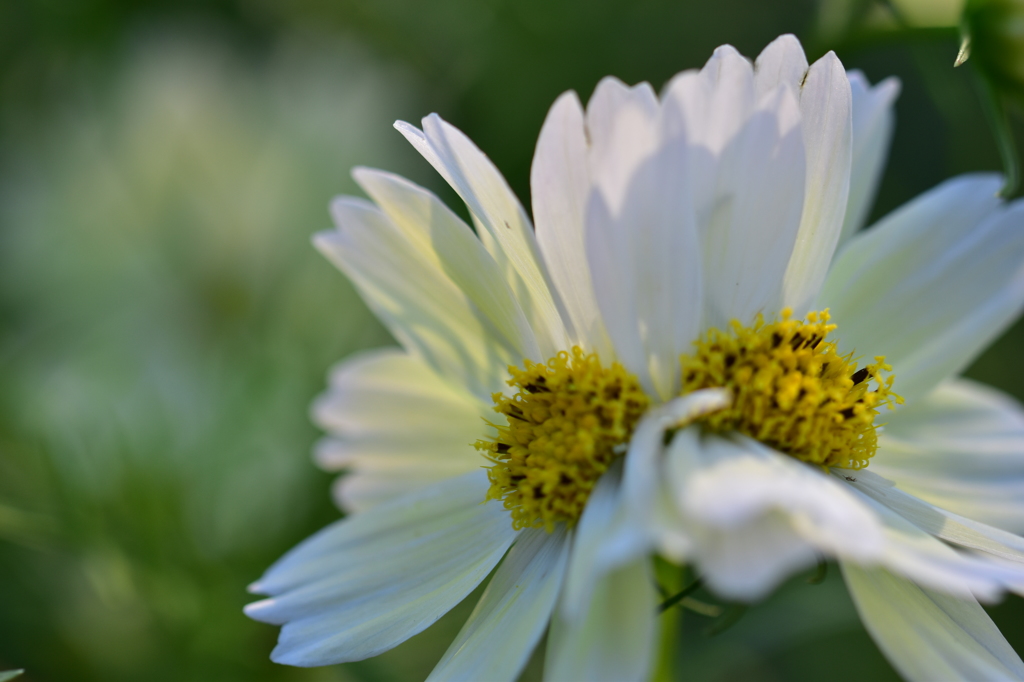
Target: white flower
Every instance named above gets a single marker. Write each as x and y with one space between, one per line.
659 222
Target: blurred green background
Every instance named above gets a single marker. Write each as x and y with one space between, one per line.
164 322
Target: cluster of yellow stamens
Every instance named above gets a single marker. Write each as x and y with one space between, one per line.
792 390
571 417
568 421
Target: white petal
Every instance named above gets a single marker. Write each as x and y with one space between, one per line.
932 284
396 425
873 121
620 127
928 635
756 515
429 315
911 552
825 105
943 524
960 448
368 487
636 526
747 562
389 395
496 208
614 639
560 184
749 224
512 614
439 234
629 513
782 61
645 246
602 507
610 253
728 79
710 108
367 583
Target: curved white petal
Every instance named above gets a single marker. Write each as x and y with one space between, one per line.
512 614
629 512
826 110
639 522
367 583
614 639
928 635
911 551
421 306
755 515
559 185
961 448
782 61
439 234
932 284
714 103
952 528
511 239
641 237
873 122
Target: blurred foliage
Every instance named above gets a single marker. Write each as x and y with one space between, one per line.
996 30
164 322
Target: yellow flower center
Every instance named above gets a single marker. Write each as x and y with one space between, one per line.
568 421
792 390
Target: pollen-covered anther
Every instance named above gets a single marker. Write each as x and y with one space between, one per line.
565 423
792 390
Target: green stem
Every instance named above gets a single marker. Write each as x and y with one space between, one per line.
672 579
999 122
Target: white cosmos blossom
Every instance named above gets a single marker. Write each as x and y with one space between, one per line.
738 191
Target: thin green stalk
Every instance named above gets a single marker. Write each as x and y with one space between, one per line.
672 579
999 121
680 595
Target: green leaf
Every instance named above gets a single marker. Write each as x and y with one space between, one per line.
9 674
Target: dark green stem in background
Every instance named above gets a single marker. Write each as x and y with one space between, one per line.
999 121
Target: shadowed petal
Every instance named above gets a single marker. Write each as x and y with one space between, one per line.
559 185
512 614
429 315
873 121
509 234
367 583
928 635
960 448
932 284
613 640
